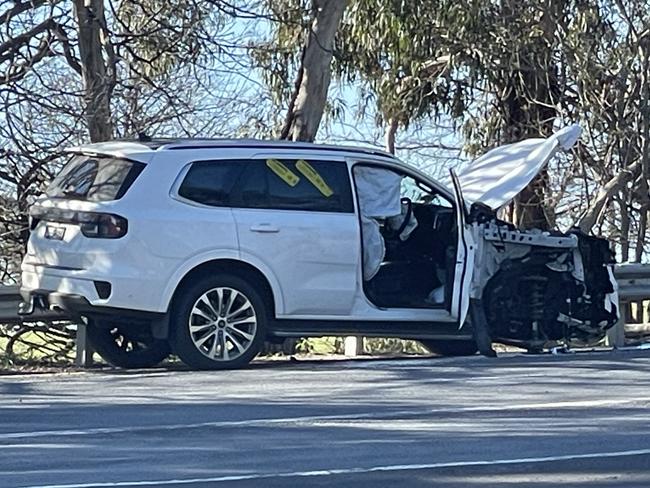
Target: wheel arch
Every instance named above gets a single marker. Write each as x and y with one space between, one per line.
269 287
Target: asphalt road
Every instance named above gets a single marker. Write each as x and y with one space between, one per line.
539 421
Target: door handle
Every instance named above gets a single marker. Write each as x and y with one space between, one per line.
268 228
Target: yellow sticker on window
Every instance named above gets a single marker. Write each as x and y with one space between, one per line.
314 178
288 176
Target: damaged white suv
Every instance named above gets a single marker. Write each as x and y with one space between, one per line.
207 248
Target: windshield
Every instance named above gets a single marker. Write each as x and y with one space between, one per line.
97 179
419 192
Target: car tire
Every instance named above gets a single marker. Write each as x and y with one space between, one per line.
126 348
218 322
451 348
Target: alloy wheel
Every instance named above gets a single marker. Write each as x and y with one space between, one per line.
222 324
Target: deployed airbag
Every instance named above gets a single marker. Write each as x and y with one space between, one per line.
379 192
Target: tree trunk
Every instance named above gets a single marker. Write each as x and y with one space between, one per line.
604 194
524 119
391 130
316 70
644 52
529 205
97 85
533 91
625 226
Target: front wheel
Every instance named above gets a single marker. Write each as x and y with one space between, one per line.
451 348
126 347
218 322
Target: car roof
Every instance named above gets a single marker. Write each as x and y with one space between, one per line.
143 150
126 147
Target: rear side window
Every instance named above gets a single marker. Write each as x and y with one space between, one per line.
211 182
320 186
95 179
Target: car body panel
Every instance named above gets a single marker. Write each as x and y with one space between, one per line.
311 256
500 174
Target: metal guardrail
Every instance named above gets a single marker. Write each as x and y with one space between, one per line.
633 289
633 281
10 299
633 293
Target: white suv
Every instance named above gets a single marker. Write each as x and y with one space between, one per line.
207 248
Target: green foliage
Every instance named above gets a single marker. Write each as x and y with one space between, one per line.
389 345
376 346
279 56
320 346
159 35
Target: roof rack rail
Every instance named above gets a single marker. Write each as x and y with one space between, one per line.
207 143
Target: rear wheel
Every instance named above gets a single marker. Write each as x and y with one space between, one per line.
451 348
126 347
219 322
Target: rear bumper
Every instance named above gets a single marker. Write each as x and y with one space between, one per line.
75 306
69 305
77 290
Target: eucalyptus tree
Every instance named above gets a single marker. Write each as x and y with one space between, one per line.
297 62
608 57
500 72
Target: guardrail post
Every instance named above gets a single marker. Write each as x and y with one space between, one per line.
353 346
84 352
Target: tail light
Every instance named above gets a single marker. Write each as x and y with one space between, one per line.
92 224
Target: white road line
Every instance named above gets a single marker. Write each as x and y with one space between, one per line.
344 471
314 418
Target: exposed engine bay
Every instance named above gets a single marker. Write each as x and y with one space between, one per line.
540 289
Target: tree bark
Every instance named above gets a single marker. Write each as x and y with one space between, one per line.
391 130
606 191
531 109
316 70
625 226
644 52
97 84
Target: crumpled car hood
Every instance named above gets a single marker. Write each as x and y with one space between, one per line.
500 174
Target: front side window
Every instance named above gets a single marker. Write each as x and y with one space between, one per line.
97 179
